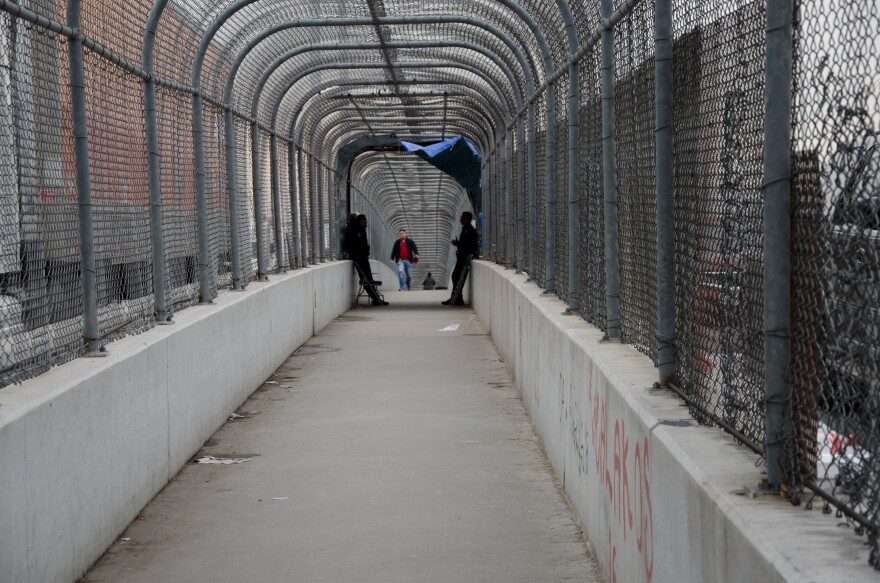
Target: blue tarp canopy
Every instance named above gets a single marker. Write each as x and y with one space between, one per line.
456 157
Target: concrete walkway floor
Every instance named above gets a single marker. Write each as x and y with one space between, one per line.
383 450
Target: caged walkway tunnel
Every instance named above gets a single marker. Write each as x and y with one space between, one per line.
668 368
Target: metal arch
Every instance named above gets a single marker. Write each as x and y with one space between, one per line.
400 120
370 175
323 137
529 152
385 20
280 60
334 135
216 24
476 72
255 167
321 92
294 182
371 178
404 65
374 180
404 158
333 193
348 66
455 106
574 101
296 191
475 132
303 107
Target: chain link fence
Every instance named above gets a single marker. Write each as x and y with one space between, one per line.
835 369
830 434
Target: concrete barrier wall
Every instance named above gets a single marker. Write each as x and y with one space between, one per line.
653 490
85 446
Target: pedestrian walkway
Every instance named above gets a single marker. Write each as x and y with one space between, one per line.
391 447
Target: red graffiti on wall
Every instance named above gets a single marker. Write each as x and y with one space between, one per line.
626 479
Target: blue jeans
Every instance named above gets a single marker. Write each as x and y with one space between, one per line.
404 271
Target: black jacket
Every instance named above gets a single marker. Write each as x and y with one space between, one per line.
410 244
468 242
356 243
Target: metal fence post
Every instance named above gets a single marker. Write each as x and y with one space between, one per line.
294 214
259 217
533 189
550 190
777 235
276 203
232 191
205 259
304 217
317 212
510 189
574 149
609 178
91 331
663 136
151 127
520 196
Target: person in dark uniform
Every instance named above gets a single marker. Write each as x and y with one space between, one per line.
467 245
359 251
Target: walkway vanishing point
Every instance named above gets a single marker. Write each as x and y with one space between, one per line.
390 447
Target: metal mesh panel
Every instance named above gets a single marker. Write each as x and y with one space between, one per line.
592 243
176 153
269 244
541 188
835 374
290 252
522 215
719 101
245 199
217 198
634 127
516 194
120 199
41 301
560 250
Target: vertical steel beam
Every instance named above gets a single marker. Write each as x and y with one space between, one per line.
91 331
154 175
259 216
574 201
532 193
663 137
777 236
303 215
609 178
520 195
232 193
510 192
276 203
205 255
550 190
296 259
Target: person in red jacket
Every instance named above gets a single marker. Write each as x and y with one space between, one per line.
404 253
